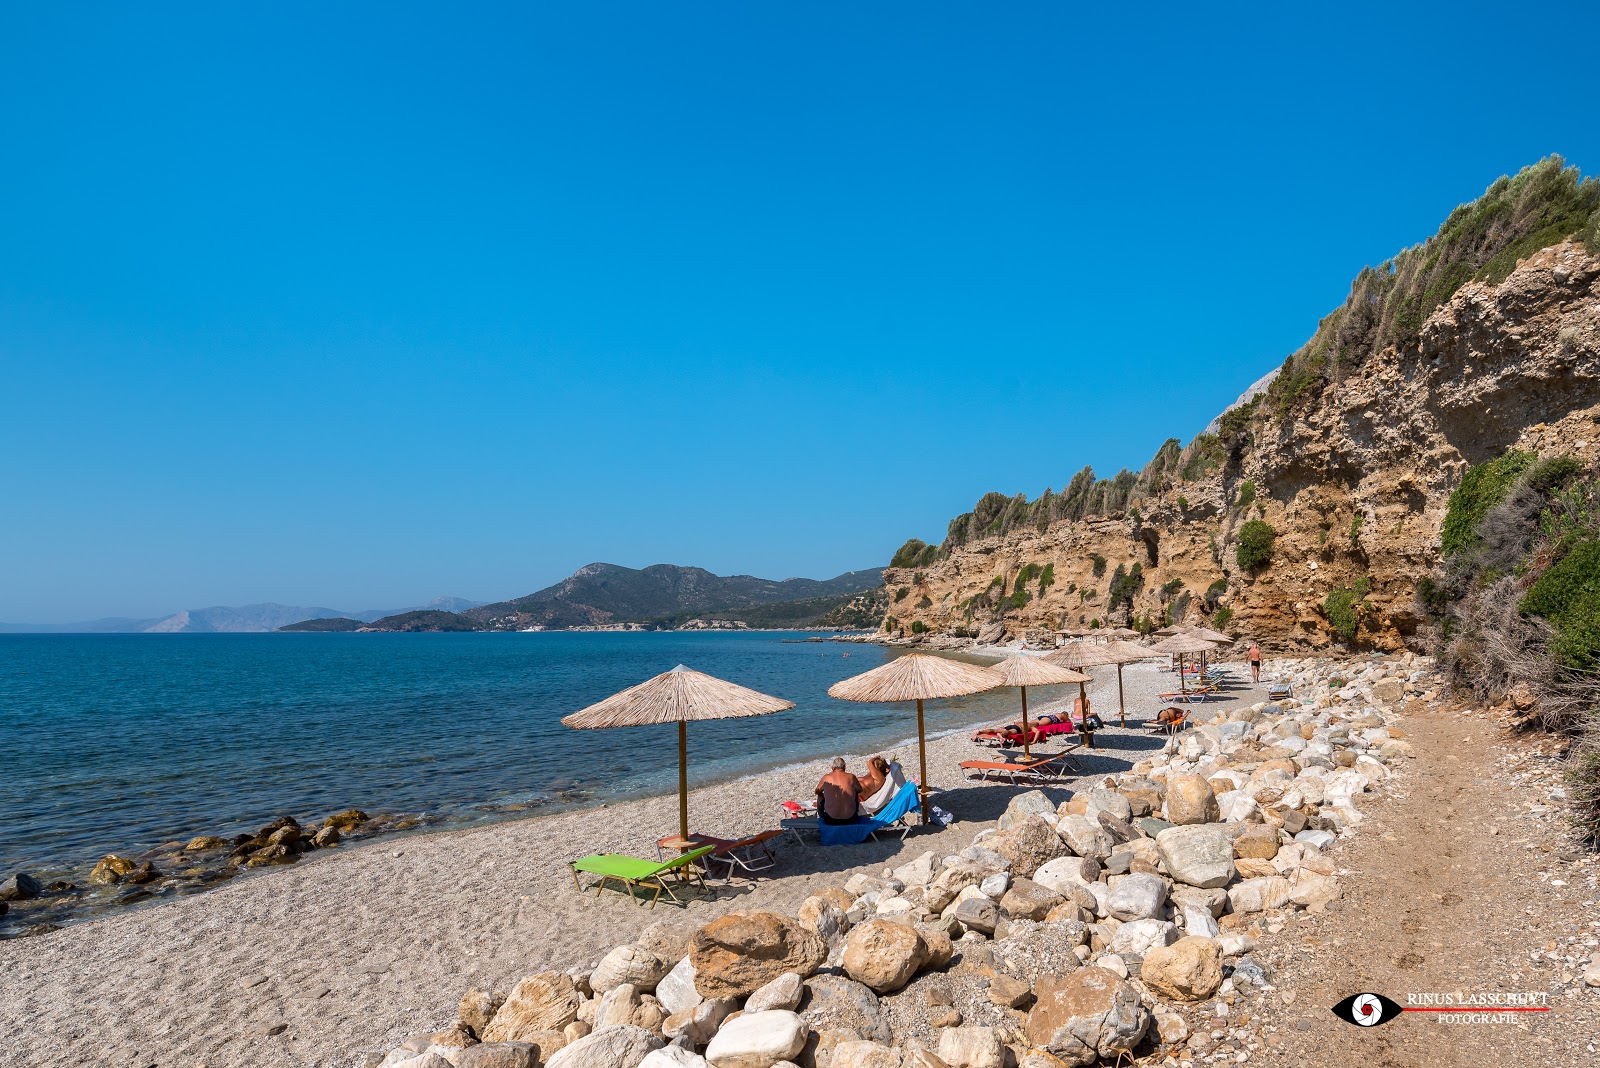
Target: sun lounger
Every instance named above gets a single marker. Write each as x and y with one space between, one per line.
1280 691
895 816
751 854
1198 694
1051 767
647 874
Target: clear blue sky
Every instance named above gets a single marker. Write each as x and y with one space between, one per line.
358 305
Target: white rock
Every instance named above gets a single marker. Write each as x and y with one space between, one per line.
995 885
919 872
1112 963
1139 896
784 992
756 1040
1138 937
628 964
676 991
972 1047
673 1057
1199 921
1057 874
613 1047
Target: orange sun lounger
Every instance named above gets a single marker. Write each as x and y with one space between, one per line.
1051 767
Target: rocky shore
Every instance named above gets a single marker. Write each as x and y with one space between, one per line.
1070 932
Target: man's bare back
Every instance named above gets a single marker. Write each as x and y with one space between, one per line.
837 793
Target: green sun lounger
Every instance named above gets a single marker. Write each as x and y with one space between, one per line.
647 874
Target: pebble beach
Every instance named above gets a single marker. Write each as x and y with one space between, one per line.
354 949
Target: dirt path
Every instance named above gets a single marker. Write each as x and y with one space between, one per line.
1463 879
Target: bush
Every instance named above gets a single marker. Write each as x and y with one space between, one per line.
1555 474
918 626
1170 588
1432 595
1214 593
1094 624
1355 529
1028 573
1124 585
1247 495
1098 564
915 553
1183 503
900 594
1255 545
925 602
1221 616
1047 578
1568 596
1343 608
1016 600
1481 489
891 624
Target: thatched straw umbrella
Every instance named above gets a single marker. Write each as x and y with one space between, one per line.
917 677
677 696
1179 645
1025 671
1122 632
1208 635
1087 654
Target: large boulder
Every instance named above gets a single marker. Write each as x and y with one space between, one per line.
1135 939
884 955
698 1024
977 913
112 869
1199 854
834 1003
972 1047
672 1057
918 872
547 1001
676 990
1191 800
858 1053
1137 897
1029 900
1085 1015
784 992
477 1008
1027 845
1109 802
611 1047
20 887
737 954
1061 873
758 1040
1188 970
501 1055
1085 837
1257 843
1259 895
628 964
1028 803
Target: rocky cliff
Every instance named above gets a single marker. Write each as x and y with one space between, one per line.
1352 477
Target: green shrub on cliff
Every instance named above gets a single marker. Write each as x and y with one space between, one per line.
1255 545
1567 595
1481 489
1343 608
1247 495
918 626
915 553
1540 206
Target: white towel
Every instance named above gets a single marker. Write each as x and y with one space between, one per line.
887 792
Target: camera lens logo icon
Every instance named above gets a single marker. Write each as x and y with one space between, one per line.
1366 1010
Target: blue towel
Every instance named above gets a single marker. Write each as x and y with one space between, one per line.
862 827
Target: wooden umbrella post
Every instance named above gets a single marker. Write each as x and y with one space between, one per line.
1088 734
1122 704
683 780
1026 752
1183 683
922 752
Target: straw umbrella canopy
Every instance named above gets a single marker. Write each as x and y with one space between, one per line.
1122 632
917 677
1209 635
1087 654
678 696
1025 671
1181 645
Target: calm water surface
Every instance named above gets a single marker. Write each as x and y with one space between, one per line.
122 742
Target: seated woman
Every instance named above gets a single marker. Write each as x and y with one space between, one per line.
872 781
1084 715
891 778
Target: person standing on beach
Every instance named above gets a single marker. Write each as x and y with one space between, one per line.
1255 662
837 794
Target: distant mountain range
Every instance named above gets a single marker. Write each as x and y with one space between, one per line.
661 596
241 619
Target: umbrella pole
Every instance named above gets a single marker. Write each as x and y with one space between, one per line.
922 752
1122 704
683 780
1088 735
1183 683
1026 752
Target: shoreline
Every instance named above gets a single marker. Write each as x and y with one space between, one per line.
354 945
189 874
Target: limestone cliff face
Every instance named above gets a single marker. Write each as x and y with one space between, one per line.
1355 484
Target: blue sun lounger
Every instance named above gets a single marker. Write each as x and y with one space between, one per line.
905 802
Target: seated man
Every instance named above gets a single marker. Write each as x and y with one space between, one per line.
837 794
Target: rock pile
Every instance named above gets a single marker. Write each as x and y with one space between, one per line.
1086 925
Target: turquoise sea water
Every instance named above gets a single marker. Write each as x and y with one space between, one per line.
117 743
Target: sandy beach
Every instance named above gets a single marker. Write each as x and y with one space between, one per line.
352 950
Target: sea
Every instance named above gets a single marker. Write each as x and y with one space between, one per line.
119 743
